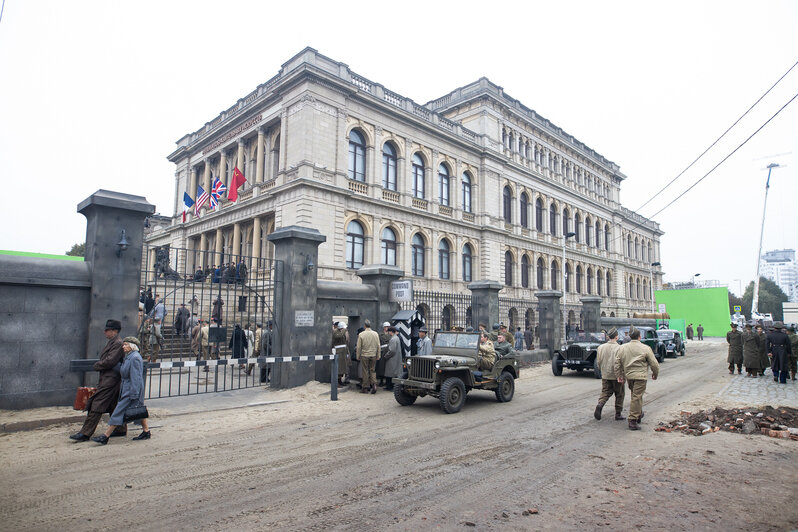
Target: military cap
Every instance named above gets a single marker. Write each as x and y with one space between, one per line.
612 333
733 324
632 329
748 325
778 325
386 324
423 329
132 340
791 327
113 324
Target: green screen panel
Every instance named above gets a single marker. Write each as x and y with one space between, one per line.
707 306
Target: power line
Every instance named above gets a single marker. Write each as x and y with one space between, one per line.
718 139
2 8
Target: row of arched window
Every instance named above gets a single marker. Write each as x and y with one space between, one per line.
418 173
638 288
547 274
639 249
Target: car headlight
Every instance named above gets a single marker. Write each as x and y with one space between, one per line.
408 361
437 364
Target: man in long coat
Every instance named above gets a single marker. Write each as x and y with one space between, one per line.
107 394
340 343
778 347
393 362
751 351
735 341
689 332
793 351
764 360
238 342
700 331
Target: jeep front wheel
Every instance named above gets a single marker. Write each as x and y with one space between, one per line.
506 389
452 395
402 397
556 365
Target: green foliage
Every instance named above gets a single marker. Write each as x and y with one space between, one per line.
734 300
78 250
770 299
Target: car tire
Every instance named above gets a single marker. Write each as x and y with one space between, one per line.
682 351
556 365
453 395
506 389
402 397
596 369
661 357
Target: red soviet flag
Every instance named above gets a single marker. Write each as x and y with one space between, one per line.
235 183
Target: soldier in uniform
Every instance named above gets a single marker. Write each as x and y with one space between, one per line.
340 344
700 331
424 344
487 355
610 385
384 339
368 352
764 360
751 351
144 339
779 348
735 341
793 351
504 347
689 332
631 364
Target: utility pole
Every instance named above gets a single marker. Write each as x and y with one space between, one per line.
755 299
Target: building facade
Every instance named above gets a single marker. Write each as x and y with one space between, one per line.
471 186
780 267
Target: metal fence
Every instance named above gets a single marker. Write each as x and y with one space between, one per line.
222 293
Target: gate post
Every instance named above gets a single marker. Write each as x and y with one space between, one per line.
485 303
297 251
550 319
591 313
381 278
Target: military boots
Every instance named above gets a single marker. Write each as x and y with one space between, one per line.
597 412
633 425
619 416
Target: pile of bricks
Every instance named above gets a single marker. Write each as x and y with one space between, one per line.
781 422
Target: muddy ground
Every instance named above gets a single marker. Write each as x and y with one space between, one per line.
365 463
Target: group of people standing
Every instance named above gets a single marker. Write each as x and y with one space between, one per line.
699 331
229 273
757 351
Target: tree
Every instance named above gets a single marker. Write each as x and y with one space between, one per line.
771 296
734 300
78 250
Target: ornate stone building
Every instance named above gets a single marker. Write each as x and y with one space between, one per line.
471 186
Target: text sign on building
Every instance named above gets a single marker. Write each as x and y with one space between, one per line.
662 308
401 291
738 309
304 318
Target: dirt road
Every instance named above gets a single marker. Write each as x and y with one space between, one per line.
365 463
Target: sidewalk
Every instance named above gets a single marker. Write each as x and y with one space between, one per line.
755 391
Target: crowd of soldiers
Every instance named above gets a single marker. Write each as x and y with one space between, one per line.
228 273
758 351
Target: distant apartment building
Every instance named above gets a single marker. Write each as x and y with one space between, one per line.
780 267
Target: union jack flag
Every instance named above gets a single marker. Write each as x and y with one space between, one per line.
216 192
202 197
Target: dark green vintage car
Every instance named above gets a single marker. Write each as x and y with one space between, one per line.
578 353
648 336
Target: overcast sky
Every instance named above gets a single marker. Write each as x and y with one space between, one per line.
95 95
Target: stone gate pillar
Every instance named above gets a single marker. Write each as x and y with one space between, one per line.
484 303
550 319
295 322
591 313
114 244
381 278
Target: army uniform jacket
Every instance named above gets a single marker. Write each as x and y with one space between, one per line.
606 360
751 350
633 360
368 344
735 339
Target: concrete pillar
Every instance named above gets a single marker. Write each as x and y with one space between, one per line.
549 319
240 157
485 303
218 258
295 319
259 164
203 259
236 241
591 313
206 183
381 278
255 244
192 188
223 167
115 273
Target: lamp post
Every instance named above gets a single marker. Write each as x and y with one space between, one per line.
755 298
651 282
564 239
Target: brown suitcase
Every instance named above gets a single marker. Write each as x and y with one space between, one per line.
82 396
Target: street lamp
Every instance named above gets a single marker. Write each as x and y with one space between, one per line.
651 282
564 239
694 276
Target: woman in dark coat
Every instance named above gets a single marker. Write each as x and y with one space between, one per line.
132 392
238 342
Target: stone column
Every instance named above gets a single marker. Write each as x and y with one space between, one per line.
295 319
240 157
549 319
218 258
591 313
192 190
485 302
203 250
236 241
206 183
223 167
381 278
115 273
259 163
255 244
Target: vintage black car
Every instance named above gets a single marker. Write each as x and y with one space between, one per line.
578 353
674 345
648 336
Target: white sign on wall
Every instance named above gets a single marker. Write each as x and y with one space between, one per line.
304 318
662 308
401 291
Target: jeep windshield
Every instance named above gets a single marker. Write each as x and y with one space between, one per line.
457 340
586 337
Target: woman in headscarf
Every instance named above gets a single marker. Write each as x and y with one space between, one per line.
132 392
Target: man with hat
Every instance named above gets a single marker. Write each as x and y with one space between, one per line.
340 345
751 351
735 358
384 339
631 364
424 344
779 349
610 384
368 352
764 360
793 350
105 398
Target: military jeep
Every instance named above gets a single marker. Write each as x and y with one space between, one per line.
578 353
450 372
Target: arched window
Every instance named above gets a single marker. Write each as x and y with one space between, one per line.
638 294
525 272
598 282
466 192
577 227
467 260
609 285
418 176
589 281
446 318
588 228
389 166
539 214
578 279
357 156
555 274
650 257
388 247
566 225
607 237
507 195
508 268
539 272
643 255
443 184
553 220
567 277
354 245
418 255
443 259
598 235
631 288
523 211
630 251
637 248
645 289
